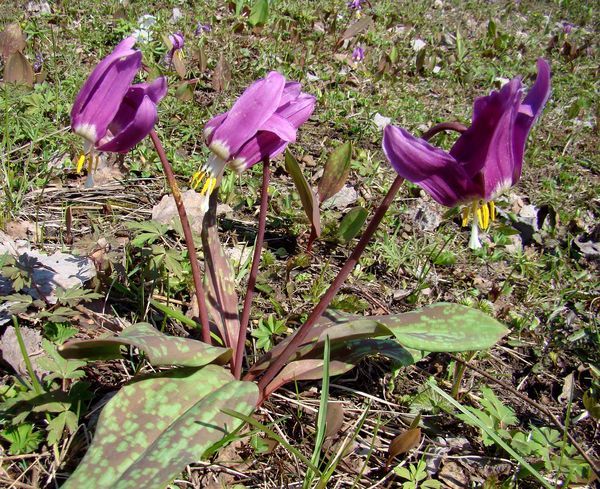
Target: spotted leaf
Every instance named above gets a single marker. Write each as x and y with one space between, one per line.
155 426
159 348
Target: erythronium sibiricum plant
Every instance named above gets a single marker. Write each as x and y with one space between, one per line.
260 125
485 160
162 421
111 113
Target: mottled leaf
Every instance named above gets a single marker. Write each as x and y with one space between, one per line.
159 348
309 200
11 40
335 419
18 70
444 327
404 442
357 27
259 13
336 171
179 64
153 427
352 223
221 297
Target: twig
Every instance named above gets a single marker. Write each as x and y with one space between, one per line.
262 219
534 404
304 330
187 233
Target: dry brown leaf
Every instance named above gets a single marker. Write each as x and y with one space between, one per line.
357 27
11 40
334 419
222 75
18 70
403 443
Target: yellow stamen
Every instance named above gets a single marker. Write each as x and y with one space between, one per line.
480 217
209 186
196 179
466 212
486 216
492 210
80 163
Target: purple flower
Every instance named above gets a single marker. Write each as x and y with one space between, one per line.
38 63
260 124
200 28
358 54
109 112
177 41
567 27
355 4
484 161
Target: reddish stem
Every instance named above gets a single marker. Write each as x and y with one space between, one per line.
304 330
444 126
187 233
260 237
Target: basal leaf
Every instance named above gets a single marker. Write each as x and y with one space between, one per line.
153 427
444 327
161 349
309 200
222 300
358 26
336 171
345 355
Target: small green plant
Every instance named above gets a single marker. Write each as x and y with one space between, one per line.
267 330
416 476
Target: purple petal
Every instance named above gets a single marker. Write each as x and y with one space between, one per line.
211 125
100 97
279 126
135 119
156 89
248 114
486 148
299 110
534 103
263 144
433 169
291 91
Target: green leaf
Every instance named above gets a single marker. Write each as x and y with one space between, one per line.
159 348
60 367
335 172
22 438
259 13
444 327
155 426
221 297
352 223
309 200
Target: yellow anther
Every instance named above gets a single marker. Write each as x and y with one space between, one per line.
80 163
486 215
466 212
209 186
480 217
196 179
492 210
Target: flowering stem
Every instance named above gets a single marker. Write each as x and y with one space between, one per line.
318 311
262 219
443 126
34 380
187 233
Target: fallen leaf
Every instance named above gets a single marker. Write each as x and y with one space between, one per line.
334 419
222 75
403 443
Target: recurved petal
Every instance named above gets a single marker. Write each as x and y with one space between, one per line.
100 97
485 150
291 91
298 111
529 111
254 107
156 89
134 121
211 125
433 169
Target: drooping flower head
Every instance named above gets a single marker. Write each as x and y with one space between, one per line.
358 54
485 160
260 125
355 4
177 41
109 112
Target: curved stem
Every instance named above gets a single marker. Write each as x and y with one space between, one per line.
317 312
444 126
260 237
187 234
